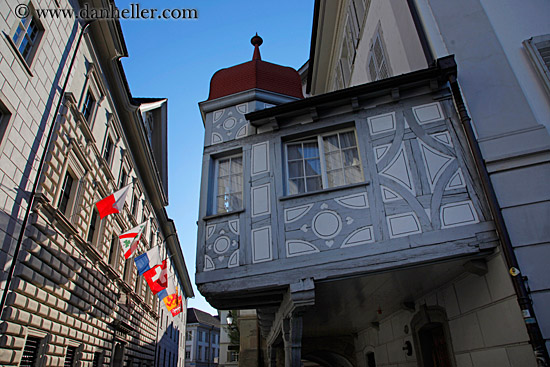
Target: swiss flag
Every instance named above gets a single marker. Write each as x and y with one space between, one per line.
157 277
113 203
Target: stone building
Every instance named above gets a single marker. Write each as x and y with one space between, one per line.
202 341
371 223
70 134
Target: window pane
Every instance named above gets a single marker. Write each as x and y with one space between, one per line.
223 169
236 183
32 31
351 157
311 150
331 143
23 45
294 151
236 165
296 169
223 185
347 140
333 160
335 178
236 201
313 167
353 174
223 204
314 183
296 186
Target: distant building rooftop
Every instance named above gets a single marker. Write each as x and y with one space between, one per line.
201 317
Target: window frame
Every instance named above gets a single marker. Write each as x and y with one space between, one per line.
95 225
322 160
27 60
532 48
44 339
5 118
378 35
69 206
216 180
93 87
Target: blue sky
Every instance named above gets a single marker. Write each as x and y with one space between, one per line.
176 59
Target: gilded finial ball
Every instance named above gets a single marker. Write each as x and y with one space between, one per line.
257 40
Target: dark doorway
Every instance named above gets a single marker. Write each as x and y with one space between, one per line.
434 349
371 362
118 355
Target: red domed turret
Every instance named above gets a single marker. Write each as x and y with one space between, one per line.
256 74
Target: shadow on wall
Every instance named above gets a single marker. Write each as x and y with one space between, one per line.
168 349
10 223
72 289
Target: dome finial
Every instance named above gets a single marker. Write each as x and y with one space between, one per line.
256 41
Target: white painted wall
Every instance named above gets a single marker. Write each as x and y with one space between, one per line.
514 22
398 34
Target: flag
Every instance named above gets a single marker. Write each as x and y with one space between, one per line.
113 203
130 240
170 290
169 296
176 310
148 260
157 277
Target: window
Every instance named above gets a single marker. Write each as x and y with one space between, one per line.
113 252
187 354
229 189
65 196
98 359
108 152
4 119
151 236
31 351
538 49
123 179
26 36
323 162
70 356
378 66
189 335
206 353
233 356
135 202
127 272
88 106
93 227
199 355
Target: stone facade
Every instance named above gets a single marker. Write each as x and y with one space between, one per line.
72 295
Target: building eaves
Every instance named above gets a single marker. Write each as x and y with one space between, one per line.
443 67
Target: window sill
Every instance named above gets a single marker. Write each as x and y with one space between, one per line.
324 191
220 215
18 55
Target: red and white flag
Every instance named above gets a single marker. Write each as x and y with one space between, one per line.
113 203
176 310
130 240
157 277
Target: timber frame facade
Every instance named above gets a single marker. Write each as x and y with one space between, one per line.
323 266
